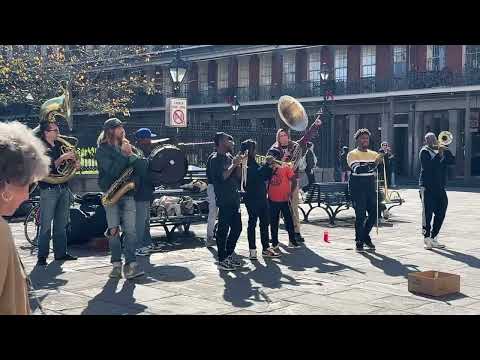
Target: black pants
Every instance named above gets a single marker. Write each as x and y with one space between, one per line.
228 219
435 202
364 199
255 212
311 177
275 209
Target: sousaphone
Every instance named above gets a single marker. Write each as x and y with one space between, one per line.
292 113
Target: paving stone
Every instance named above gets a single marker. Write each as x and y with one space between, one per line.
358 295
337 305
399 302
443 309
181 304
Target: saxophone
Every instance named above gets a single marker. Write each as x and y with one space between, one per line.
122 185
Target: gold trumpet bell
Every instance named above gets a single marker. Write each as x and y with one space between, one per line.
292 113
445 138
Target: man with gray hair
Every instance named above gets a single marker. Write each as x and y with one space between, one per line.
434 159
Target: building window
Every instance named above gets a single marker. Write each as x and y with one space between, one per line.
368 61
314 63
435 57
399 60
265 69
289 68
222 74
341 64
203 76
243 73
472 57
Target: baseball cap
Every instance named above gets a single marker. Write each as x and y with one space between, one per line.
112 123
144 133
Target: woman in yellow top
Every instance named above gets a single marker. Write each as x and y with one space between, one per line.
363 163
22 162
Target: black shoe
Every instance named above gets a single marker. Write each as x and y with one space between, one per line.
67 257
299 237
42 262
370 245
359 248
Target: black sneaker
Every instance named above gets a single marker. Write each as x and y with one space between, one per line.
225 265
359 248
42 262
293 244
299 237
370 245
67 257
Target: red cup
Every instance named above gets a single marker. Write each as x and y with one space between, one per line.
325 236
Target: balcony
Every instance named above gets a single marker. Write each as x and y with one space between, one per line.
411 81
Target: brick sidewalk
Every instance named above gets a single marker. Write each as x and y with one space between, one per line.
319 278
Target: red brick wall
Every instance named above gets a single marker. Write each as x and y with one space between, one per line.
212 73
233 72
353 63
454 57
384 61
326 56
301 65
277 73
193 78
421 57
254 70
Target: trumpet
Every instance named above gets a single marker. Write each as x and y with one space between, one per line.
445 138
262 160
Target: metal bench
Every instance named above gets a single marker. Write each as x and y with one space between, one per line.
171 223
331 197
393 199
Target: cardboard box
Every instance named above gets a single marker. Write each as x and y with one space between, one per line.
434 283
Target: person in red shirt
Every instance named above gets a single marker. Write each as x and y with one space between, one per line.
280 190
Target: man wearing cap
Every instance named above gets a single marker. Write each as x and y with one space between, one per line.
143 193
114 155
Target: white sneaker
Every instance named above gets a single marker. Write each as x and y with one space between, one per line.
253 254
386 214
428 243
436 244
116 272
132 271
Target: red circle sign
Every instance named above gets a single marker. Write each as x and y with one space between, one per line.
178 117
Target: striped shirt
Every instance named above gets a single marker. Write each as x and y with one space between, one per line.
362 163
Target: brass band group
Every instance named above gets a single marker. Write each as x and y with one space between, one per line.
127 178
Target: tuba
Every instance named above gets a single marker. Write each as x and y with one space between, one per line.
61 106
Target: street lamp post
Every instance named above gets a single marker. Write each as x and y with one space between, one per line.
328 89
235 107
178 69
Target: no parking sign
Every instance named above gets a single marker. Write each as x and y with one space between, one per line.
176 112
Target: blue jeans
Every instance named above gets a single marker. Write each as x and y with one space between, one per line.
142 223
54 206
122 214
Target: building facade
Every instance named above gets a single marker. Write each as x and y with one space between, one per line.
399 92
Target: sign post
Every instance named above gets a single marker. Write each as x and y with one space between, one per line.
176 113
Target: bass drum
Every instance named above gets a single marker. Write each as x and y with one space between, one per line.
168 165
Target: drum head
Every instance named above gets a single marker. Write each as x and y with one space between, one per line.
168 165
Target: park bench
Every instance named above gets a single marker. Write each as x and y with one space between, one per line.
171 223
392 200
331 197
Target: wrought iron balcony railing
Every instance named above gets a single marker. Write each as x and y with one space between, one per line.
412 80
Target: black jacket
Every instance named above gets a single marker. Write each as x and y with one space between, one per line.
226 190
144 188
256 190
433 172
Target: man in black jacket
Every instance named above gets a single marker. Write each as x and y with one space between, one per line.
434 159
256 200
144 190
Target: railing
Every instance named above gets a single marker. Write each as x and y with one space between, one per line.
411 81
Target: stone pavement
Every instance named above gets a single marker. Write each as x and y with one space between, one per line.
318 278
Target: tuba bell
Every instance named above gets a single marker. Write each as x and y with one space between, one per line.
61 106
292 113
